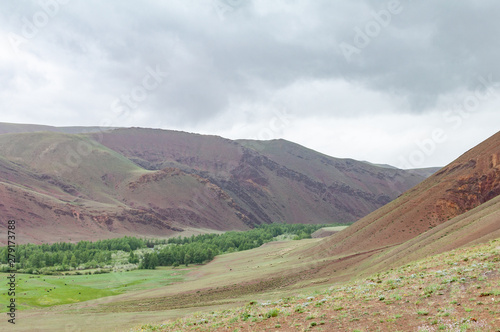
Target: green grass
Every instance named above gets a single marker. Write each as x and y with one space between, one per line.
334 228
38 291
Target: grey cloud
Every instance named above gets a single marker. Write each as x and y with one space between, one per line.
456 44
431 48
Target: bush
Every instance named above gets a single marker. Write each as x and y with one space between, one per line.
272 313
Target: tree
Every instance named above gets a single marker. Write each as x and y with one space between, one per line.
149 261
132 258
73 261
65 261
153 262
210 254
187 259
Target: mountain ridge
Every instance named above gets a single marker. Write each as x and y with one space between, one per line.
154 182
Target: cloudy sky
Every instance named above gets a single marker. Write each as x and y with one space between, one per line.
406 83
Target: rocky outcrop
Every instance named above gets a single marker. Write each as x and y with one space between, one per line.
471 190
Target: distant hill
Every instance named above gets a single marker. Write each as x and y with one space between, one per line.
425 172
269 180
11 128
146 182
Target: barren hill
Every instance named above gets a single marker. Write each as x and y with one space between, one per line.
455 206
271 181
147 182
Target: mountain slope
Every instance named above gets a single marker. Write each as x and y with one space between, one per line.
58 194
269 183
479 225
158 182
435 208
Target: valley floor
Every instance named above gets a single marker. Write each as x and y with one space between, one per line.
274 288
454 291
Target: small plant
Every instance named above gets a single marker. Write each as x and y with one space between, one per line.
422 312
245 315
272 313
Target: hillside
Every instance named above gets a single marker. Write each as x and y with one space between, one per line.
70 187
271 180
438 293
56 194
456 206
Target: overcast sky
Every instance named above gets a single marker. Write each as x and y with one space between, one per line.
406 83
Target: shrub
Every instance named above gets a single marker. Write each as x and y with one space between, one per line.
272 313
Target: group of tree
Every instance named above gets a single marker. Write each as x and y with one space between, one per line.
197 249
63 256
203 248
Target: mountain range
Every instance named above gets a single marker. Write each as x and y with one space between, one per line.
88 183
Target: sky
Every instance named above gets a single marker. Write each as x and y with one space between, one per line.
406 83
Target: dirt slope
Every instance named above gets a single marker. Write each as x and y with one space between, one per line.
465 184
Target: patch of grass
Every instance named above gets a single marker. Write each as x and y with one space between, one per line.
36 291
272 313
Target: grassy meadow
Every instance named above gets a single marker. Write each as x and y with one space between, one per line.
39 291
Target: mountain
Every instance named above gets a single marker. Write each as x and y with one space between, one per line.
150 182
425 172
10 128
456 206
61 187
269 180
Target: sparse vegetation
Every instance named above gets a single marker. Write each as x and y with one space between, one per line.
358 304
